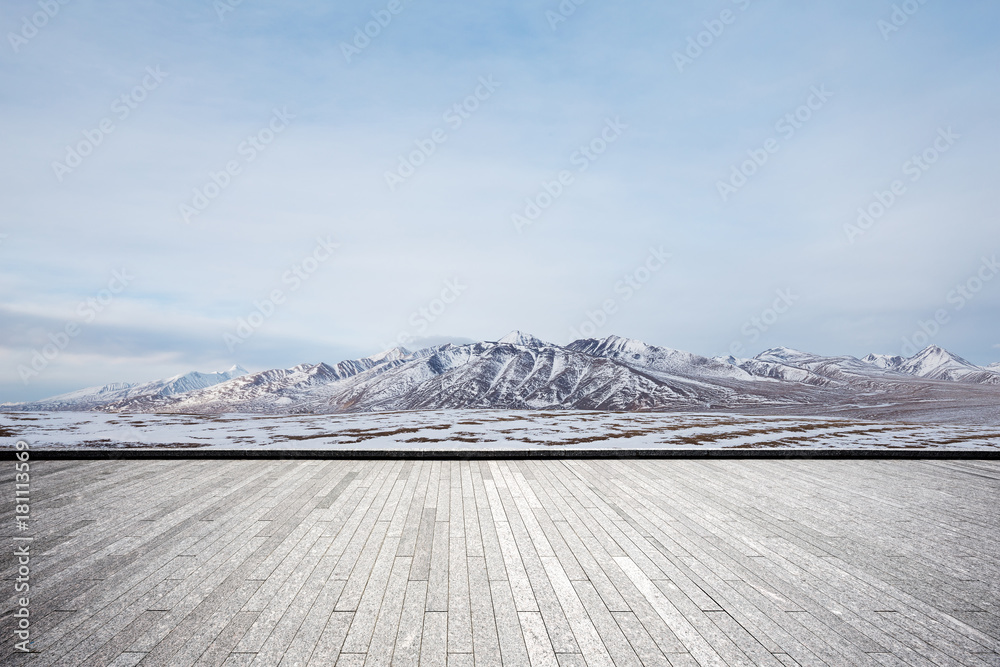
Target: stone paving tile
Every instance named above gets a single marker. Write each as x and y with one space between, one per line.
509 562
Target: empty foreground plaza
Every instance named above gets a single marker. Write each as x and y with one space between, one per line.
512 562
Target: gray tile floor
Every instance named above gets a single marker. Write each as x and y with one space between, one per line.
557 562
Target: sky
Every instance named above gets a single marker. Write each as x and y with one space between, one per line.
194 184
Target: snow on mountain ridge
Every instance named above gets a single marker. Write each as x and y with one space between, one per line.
788 364
936 363
933 359
518 337
886 361
504 375
782 354
665 360
272 389
94 397
86 392
620 345
519 371
194 380
392 354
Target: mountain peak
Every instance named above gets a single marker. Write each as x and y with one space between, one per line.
938 355
517 337
933 350
937 363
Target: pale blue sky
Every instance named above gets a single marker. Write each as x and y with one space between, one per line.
679 133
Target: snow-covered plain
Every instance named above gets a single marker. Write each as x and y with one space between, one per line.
464 430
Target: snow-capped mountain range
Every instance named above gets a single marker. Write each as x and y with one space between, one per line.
94 398
520 371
